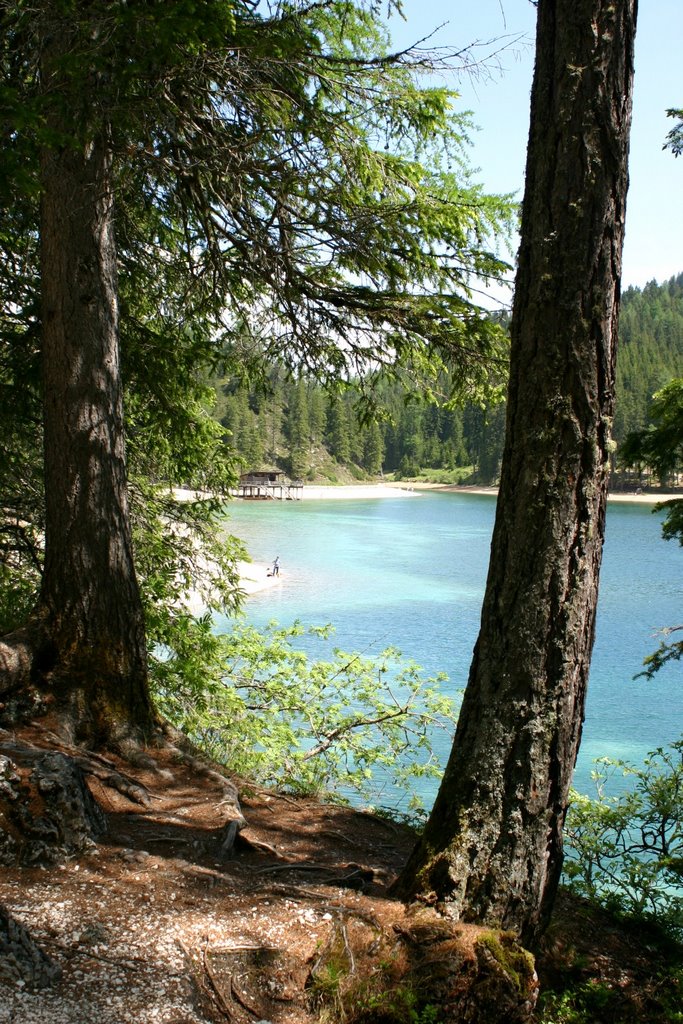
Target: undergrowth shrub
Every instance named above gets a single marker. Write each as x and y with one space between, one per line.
625 849
350 725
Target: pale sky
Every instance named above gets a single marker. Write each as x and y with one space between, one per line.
499 102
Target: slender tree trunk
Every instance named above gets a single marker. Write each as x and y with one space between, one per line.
94 655
492 849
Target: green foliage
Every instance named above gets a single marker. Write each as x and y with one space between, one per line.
626 849
650 352
21 520
592 1001
301 428
384 994
660 448
670 984
441 476
350 246
517 962
425 438
665 653
401 1004
17 593
581 1004
259 706
674 139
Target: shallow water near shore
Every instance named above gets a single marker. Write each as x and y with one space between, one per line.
411 574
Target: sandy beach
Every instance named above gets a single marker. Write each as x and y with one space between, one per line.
353 492
255 576
642 499
630 497
325 492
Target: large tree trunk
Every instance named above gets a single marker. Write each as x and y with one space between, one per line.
90 599
90 655
492 850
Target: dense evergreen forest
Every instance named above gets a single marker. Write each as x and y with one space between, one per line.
295 425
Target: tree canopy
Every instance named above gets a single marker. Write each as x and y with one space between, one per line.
660 445
189 188
284 173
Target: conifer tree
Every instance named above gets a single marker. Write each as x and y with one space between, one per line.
316 413
373 449
338 430
492 849
298 430
193 159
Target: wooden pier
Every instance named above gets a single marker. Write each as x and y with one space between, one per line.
269 485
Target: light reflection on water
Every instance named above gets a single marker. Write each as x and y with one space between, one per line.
410 573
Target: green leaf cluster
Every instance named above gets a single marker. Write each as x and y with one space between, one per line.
348 725
626 849
587 1003
660 445
674 139
650 353
306 182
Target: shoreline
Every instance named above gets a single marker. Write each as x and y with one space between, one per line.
256 577
629 497
354 492
411 489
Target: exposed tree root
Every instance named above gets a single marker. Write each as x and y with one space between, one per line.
47 812
47 833
90 696
88 762
22 961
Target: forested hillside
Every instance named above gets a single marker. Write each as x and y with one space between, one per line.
297 426
651 352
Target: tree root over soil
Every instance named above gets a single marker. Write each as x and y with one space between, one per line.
134 871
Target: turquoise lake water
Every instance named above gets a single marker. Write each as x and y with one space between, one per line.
410 573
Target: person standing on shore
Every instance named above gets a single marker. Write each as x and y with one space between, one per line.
276 566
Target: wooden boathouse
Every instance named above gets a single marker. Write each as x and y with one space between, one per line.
268 485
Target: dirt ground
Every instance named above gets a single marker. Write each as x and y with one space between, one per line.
156 926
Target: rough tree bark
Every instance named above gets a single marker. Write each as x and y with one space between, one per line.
492 850
90 602
86 646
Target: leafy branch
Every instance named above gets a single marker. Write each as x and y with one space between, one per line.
626 850
349 724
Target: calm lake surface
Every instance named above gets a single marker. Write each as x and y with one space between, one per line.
410 573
